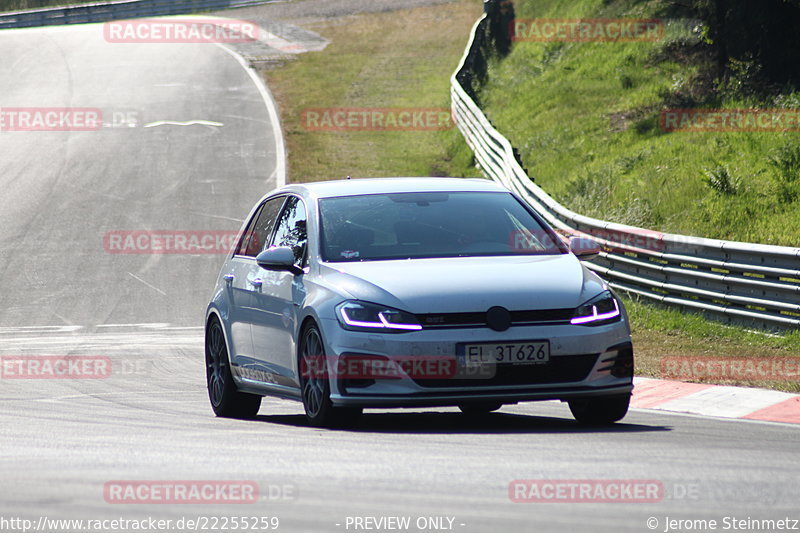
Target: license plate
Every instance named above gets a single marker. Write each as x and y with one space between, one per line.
514 353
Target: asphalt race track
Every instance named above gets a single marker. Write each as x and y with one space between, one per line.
64 191
62 441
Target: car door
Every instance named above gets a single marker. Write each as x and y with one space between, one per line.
241 279
280 297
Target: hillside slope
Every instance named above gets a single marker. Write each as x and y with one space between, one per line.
585 117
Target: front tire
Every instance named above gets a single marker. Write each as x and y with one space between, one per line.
226 400
600 411
315 384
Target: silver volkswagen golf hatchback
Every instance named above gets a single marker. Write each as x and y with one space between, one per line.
404 292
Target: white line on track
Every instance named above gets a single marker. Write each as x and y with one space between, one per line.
134 276
154 395
272 110
40 329
189 123
269 101
150 325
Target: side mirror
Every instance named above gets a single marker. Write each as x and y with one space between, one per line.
278 259
584 247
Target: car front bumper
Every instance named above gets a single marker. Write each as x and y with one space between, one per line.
595 348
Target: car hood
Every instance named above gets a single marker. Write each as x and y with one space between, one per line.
467 284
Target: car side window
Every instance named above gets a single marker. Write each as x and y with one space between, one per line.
292 229
244 239
260 229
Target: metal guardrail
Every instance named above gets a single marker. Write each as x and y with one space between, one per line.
126 9
754 284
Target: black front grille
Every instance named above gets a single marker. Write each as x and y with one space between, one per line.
518 318
561 369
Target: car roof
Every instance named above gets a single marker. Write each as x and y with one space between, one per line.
352 187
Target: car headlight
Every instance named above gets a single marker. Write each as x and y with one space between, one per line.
361 316
602 309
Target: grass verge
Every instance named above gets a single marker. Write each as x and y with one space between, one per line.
397 60
660 332
407 62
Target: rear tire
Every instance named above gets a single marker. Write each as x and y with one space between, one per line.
479 409
316 387
600 411
225 398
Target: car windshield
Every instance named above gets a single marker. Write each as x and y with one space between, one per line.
431 224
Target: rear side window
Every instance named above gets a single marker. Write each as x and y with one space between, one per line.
260 228
292 231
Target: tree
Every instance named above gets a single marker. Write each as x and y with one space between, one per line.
761 32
